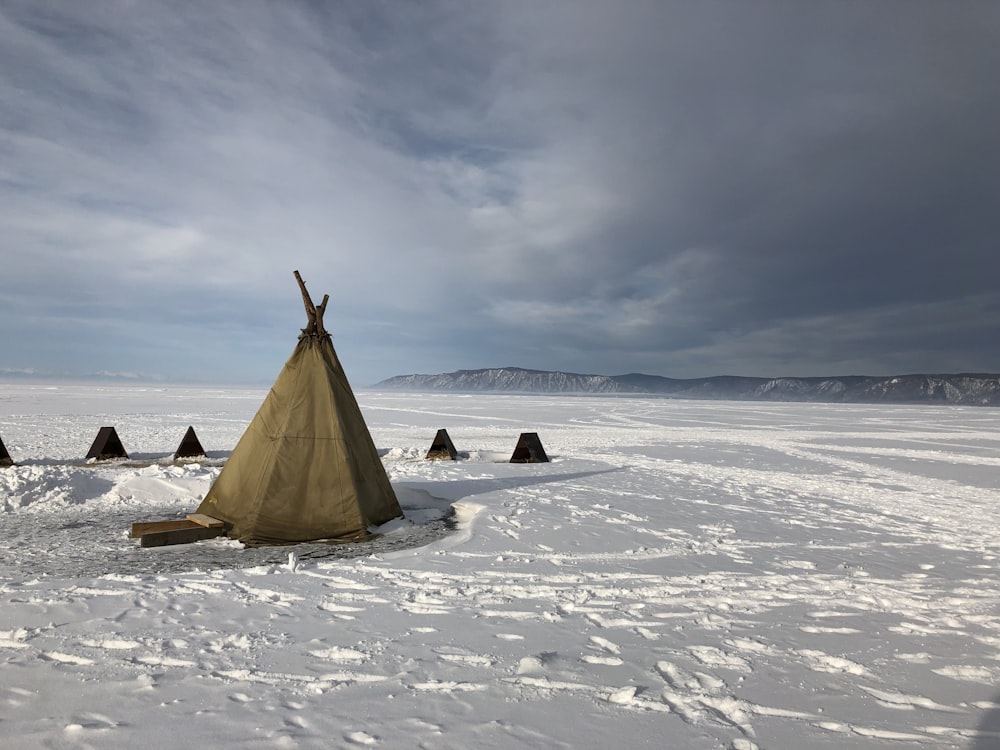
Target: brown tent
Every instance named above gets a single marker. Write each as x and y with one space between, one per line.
306 468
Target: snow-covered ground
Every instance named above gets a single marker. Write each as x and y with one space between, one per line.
681 575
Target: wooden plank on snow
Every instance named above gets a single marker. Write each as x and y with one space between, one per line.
145 527
207 521
195 533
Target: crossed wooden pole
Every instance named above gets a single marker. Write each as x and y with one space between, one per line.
315 313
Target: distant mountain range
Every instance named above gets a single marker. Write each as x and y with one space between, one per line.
972 389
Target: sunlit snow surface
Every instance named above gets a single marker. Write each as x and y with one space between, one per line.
682 574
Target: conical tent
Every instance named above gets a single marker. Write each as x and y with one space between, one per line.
306 468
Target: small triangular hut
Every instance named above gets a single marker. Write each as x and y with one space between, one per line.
5 459
529 450
190 445
306 468
442 448
107 445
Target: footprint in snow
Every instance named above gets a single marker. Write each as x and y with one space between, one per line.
57 656
340 654
463 656
360 738
530 665
605 645
112 644
905 701
819 661
448 686
716 657
296 722
675 677
91 721
609 661
537 663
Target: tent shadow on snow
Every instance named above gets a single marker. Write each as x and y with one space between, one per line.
453 490
135 460
209 457
988 731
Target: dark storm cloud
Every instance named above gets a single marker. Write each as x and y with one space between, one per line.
794 163
683 188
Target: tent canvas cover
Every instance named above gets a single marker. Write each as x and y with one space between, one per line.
306 468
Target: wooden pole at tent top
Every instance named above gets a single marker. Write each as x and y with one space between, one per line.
314 312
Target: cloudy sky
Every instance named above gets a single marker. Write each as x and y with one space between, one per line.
677 188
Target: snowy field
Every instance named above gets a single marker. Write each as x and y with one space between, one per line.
681 575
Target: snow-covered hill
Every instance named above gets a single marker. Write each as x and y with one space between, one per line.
513 379
970 389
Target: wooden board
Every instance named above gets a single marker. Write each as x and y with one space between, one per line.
193 533
202 520
146 527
